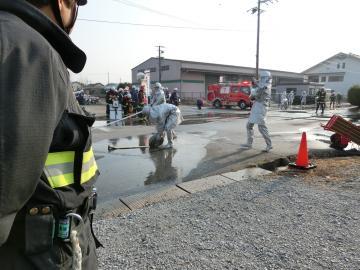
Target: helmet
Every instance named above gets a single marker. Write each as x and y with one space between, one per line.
82 2
265 78
140 76
175 89
155 141
157 85
146 110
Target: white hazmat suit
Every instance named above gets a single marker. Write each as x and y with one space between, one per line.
291 97
303 99
158 96
261 98
166 117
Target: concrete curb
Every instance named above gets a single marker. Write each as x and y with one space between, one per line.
137 201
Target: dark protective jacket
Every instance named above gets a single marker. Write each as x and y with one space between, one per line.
46 157
321 96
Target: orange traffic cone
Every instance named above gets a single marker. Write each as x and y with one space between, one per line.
302 161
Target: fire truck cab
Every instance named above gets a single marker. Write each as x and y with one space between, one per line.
230 94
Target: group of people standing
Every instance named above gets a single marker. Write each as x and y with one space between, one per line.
129 100
321 100
287 100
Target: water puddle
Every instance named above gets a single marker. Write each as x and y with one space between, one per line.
128 171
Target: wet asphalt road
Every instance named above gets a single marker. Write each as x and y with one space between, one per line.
207 144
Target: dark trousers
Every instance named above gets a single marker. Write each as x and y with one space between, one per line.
332 102
320 105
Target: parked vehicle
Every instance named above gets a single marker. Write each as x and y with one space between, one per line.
91 99
230 94
84 99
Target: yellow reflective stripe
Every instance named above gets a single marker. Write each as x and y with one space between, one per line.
88 155
86 176
56 163
59 158
61 180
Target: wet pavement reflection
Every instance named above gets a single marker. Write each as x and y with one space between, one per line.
128 171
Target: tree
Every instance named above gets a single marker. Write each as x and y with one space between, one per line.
123 85
354 95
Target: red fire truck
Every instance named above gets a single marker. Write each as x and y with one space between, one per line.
230 94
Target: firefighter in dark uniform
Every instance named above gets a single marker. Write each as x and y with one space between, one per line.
320 100
47 165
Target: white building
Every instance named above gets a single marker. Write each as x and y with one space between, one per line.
339 72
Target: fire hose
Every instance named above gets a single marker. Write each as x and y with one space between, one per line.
119 120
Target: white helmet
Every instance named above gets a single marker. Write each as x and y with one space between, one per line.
175 89
158 85
146 110
140 76
265 78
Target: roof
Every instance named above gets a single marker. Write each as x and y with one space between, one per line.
203 66
340 55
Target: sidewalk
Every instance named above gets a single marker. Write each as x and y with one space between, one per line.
284 220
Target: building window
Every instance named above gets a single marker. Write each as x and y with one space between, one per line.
313 78
153 69
338 65
165 68
343 65
323 78
141 70
336 78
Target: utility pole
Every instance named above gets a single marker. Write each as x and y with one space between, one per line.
108 75
258 10
160 51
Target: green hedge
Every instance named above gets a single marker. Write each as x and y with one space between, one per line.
354 95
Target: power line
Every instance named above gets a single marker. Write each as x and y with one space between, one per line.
132 4
161 26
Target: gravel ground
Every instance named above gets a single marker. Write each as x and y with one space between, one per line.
285 221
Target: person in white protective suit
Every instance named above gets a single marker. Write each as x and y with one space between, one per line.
166 117
291 97
158 96
303 99
283 101
261 99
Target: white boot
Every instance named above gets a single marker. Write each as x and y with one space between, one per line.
246 146
268 148
169 138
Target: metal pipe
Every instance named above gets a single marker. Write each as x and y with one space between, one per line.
110 148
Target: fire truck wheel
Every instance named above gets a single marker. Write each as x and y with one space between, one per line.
337 143
217 104
242 105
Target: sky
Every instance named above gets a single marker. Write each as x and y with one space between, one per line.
294 34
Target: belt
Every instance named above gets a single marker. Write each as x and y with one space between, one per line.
36 227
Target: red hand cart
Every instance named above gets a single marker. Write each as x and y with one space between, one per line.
345 132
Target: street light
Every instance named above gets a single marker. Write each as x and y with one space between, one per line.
258 10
